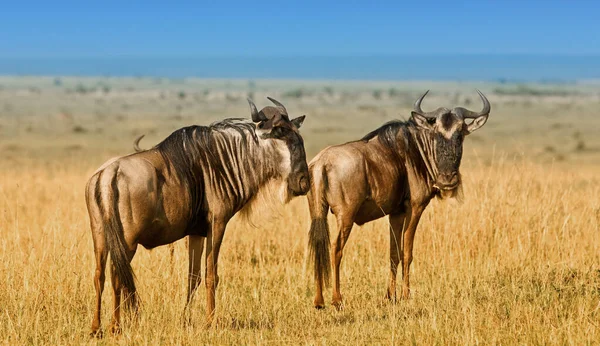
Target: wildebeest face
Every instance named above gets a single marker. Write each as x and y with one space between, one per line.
298 181
274 124
448 130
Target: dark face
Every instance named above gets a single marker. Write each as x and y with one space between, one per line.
298 179
287 132
275 124
448 129
448 147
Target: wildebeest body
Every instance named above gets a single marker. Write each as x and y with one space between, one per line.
190 184
395 170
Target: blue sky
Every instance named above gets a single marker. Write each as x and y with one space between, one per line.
46 29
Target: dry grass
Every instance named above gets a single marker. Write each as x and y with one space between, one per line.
516 263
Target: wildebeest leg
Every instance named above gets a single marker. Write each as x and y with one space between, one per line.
99 277
409 236
396 226
195 247
115 323
213 245
319 301
172 253
345 227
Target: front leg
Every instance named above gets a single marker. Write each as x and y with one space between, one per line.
213 245
195 248
409 236
397 223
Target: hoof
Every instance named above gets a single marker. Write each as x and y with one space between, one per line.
186 322
208 323
115 329
339 305
391 297
96 334
319 304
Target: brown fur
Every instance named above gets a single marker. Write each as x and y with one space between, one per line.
191 184
395 170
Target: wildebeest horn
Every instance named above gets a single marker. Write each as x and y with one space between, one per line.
256 117
467 114
418 105
277 103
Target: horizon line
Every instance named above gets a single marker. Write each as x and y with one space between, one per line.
302 55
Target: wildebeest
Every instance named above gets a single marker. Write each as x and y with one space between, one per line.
190 184
395 170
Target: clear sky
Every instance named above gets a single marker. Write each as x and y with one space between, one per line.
44 29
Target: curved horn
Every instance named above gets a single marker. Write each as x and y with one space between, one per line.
136 144
485 111
255 116
417 107
277 103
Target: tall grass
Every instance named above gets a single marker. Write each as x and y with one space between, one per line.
517 262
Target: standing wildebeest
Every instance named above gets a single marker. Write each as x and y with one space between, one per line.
395 170
190 184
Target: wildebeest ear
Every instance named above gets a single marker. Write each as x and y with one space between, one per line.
298 121
420 120
477 123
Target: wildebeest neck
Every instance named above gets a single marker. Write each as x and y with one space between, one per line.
423 141
225 160
407 142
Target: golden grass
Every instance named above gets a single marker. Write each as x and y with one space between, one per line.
517 262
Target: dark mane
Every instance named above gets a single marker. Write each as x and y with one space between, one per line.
243 126
191 150
388 132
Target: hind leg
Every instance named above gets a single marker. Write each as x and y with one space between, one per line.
118 290
172 253
100 251
345 227
99 278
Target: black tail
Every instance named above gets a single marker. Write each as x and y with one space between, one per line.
318 236
319 249
115 241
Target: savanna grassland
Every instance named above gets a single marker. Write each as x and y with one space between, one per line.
518 262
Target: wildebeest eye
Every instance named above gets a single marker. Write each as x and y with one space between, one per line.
431 121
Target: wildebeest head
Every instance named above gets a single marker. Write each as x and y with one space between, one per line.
273 123
448 127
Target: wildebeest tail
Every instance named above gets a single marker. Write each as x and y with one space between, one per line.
115 239
136 144
318 236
